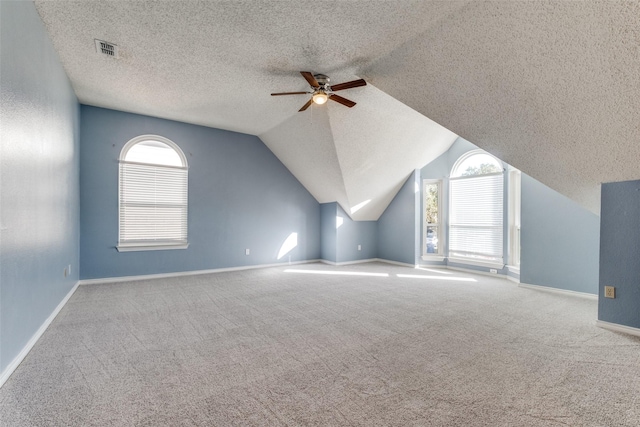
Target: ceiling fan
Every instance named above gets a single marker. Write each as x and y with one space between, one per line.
321 91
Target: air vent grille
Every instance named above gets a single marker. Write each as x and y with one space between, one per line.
106 48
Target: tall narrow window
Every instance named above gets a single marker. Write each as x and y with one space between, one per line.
476 210
153 195
432 230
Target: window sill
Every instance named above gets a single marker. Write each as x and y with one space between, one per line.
136 247
514 269
477 263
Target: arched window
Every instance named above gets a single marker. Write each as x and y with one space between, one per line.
153 195
476 209
475 162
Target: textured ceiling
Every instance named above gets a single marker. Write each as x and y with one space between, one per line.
215 64
552 87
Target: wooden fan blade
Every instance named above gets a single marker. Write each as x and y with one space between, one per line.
288 93
348 85
310 78
341 100
305 106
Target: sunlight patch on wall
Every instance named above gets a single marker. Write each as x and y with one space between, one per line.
339 221
288 245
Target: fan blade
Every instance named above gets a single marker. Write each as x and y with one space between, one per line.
288 93
305 106
310 78
341 100
348 85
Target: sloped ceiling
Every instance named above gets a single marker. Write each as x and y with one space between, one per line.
552 88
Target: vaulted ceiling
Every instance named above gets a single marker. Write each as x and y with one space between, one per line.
552 87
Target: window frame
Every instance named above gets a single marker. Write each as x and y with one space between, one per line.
439 255
151 245
497 263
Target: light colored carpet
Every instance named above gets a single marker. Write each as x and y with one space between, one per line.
272 347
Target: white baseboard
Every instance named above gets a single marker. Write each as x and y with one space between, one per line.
189 273
362 261
359 261
559 291
388 261
618 328
482 273
27 348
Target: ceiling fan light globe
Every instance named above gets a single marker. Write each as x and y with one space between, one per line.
320 98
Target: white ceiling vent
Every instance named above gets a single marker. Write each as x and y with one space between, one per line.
107 48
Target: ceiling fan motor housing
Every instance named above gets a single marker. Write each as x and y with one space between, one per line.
322 80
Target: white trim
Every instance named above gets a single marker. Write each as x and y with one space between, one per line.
618 328
432 266
188 273
388 261
136 247
559 291
477 263
359 261
514 269
483 273
29 345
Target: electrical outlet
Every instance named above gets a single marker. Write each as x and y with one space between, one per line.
359 247
65 273
69 269
609 292
247 251
493 271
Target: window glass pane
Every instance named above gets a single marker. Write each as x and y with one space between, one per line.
431 203
153 152
432 240
478 164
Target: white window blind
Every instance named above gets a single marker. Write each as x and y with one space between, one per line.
153 204
476 217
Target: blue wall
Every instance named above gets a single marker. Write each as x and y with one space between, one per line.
39 182
558 240
398 226
328 234
620 253
353 233
240 196
340 242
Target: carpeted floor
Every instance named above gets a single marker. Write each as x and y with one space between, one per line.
273 347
